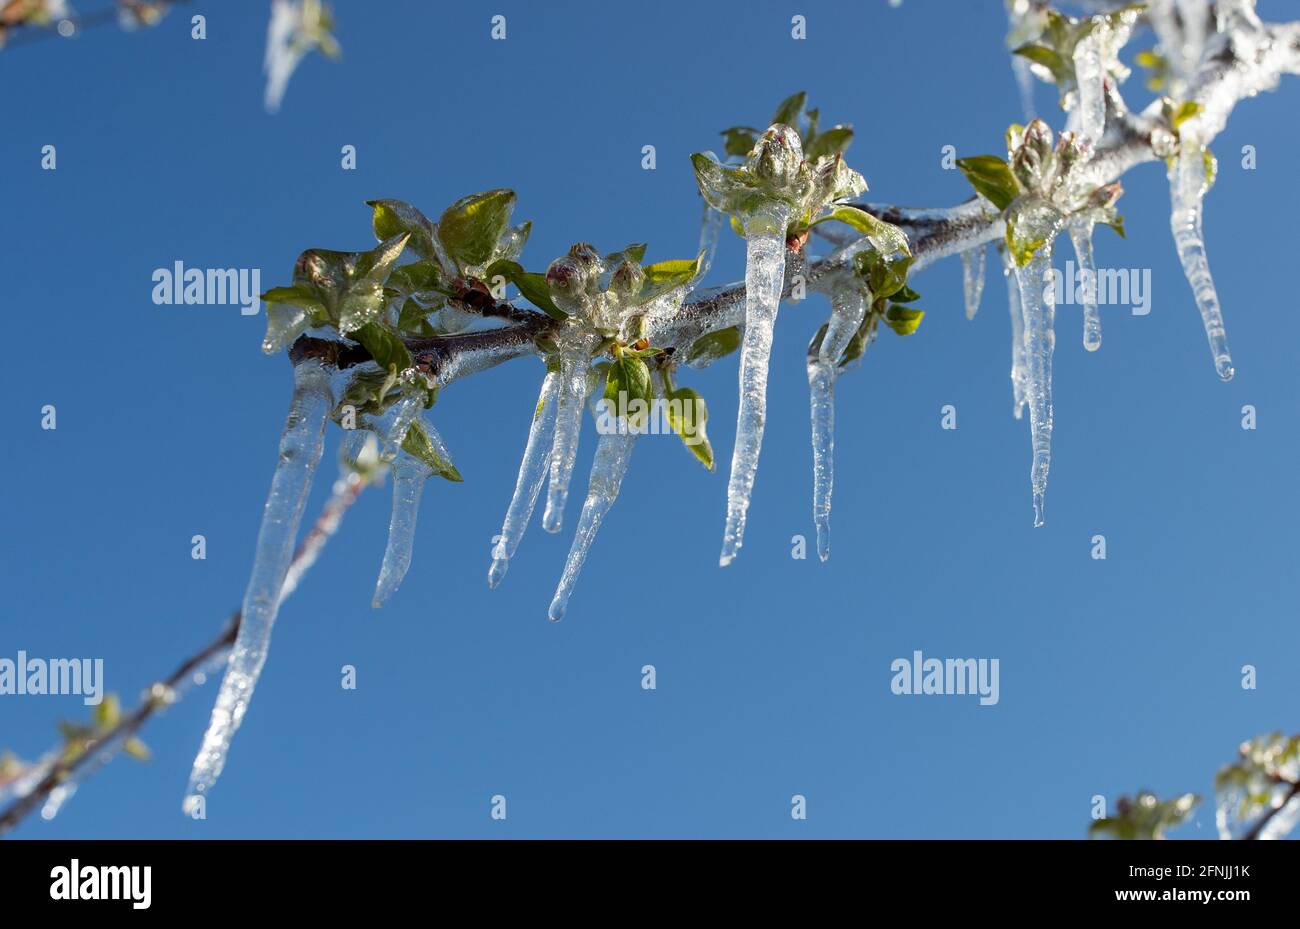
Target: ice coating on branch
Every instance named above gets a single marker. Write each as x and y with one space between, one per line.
571 397
848 309
1024 83
1038 302
1081 235
300 451
764 278
1187 187
607 469
409 476
532 472
1090 75
972 278
1257 795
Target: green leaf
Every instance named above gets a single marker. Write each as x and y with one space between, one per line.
1022 249
992 178
1211 166
385 346
418 444
471 228
533 286
391 218
629 376
904 294
790 108
1185 111
663 276
1048 58
738 140
688 416
107 713
297 295
903 319
885 276
833 141
889 237
709 348
1118 225
136 749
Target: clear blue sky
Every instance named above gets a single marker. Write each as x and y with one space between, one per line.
773 675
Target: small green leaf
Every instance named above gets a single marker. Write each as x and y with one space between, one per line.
297 295
833 141
709 348
136 749
107 713
471 228
904 294
992 178
663 276
688 416
788 112
903 319
394 217
628 380
384 345
738 140
418 445
1211 166
1185 111
889 238
1048 58
533 286
1118 225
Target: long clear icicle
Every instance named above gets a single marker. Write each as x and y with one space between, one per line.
532 472
848 307
300 451
1039 306
409 477
1019 374
764 277
607 470
570 400
1090 75
972 274
1187 186
1081 236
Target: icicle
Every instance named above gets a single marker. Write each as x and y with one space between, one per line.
1019 375
1195 16
1187 186
764 278
1039 303
1081 236
607 470
1025 83
409 476
300 450
710 229
848 308
282 53
1090 75
532 472
972 272
571 396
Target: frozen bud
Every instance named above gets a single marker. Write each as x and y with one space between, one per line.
567 281
1164 144
834 180
628 279
585 254
1104 198
777 155
1070 150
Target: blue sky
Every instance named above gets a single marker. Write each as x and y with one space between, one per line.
773 674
